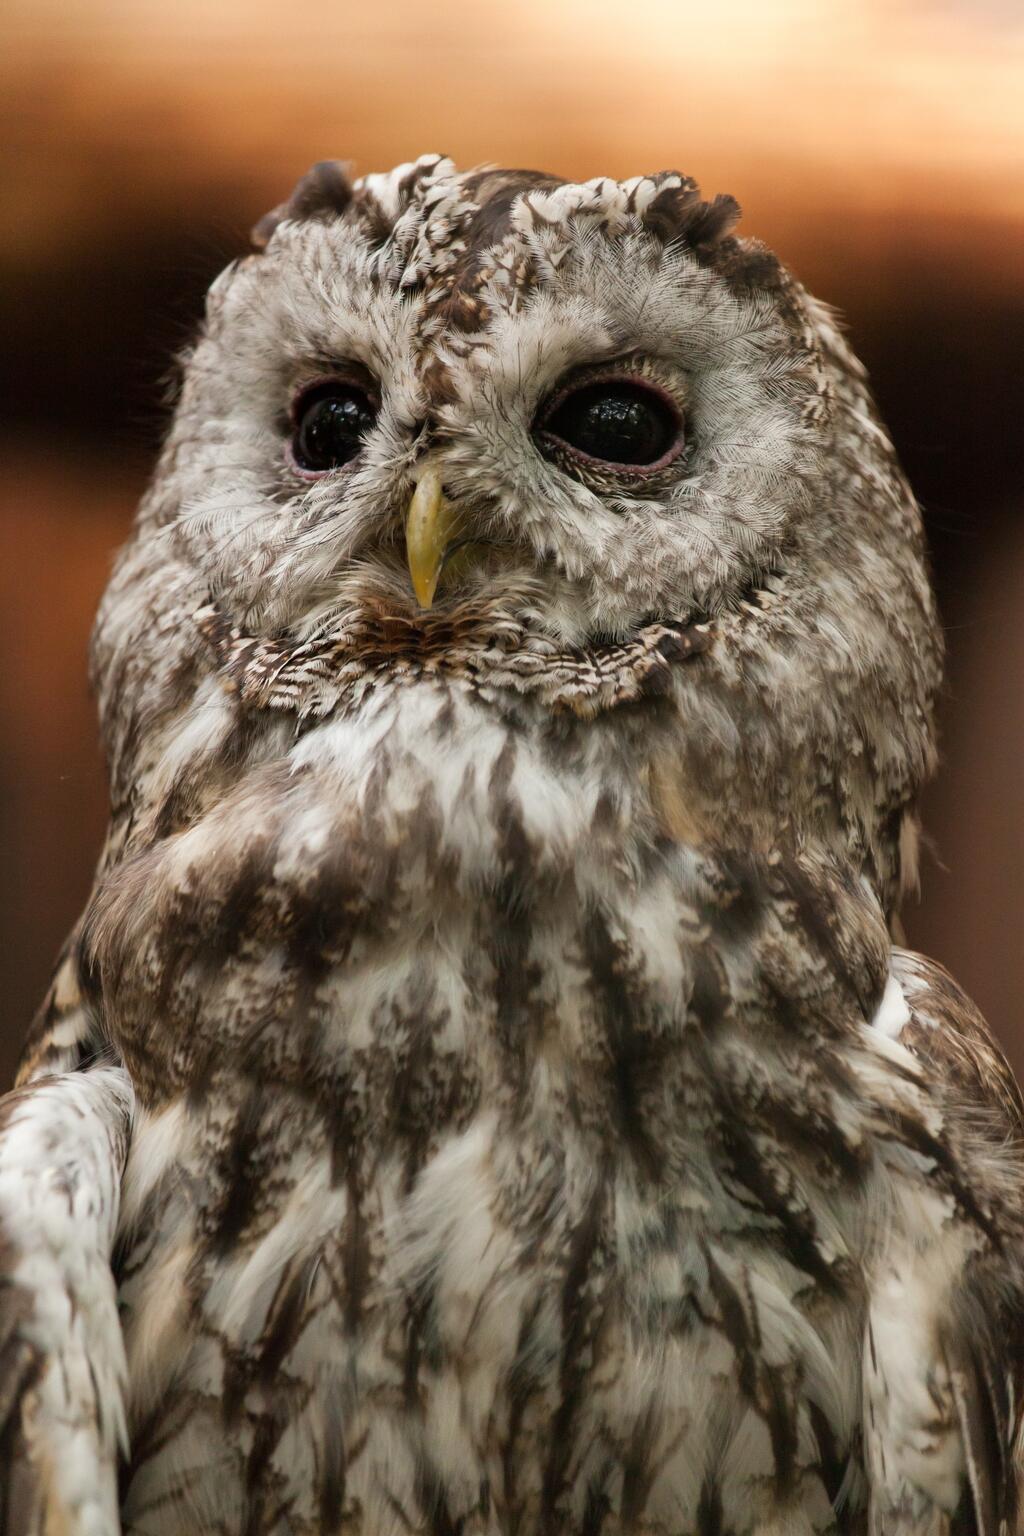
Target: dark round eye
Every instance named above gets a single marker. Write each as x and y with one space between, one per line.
616 421
331 425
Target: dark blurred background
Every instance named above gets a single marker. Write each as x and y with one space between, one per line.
878 146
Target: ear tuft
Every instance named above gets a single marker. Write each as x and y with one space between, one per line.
323 193
678 213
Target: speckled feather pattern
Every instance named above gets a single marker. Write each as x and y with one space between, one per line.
533 1128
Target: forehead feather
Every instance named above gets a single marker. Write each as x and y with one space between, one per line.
448 236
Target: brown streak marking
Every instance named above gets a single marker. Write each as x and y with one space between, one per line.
521 1380
237 1173
582 1251
333 1472
710 1519
287 1317
676 815
634 1058
355 1255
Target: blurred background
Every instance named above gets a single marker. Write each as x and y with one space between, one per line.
877 144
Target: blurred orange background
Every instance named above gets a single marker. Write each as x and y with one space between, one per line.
878 146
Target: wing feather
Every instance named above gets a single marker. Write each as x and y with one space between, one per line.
63 1142
982 1343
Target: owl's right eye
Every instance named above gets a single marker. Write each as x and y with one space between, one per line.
331 424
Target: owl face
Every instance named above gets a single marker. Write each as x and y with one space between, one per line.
624 426
497 410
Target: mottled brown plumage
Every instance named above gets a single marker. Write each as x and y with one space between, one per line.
533 1128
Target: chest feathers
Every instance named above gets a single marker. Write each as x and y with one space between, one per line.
509 1136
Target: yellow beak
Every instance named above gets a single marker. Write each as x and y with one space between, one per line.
430 526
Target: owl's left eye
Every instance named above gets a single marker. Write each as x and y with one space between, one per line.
623 423
331 424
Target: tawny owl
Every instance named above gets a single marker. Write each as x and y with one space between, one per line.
482 1094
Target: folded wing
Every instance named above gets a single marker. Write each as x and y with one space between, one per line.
63 1143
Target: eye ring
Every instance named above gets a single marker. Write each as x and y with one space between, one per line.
329 419
663 435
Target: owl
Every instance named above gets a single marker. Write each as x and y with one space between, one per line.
484 1094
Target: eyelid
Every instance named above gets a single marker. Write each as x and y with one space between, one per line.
607 373
345 375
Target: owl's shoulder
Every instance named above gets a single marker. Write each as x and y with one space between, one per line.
946 1031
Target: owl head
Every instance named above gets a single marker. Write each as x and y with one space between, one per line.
530 428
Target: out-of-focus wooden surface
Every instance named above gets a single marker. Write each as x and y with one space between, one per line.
878 144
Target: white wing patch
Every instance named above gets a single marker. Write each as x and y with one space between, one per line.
892 1015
